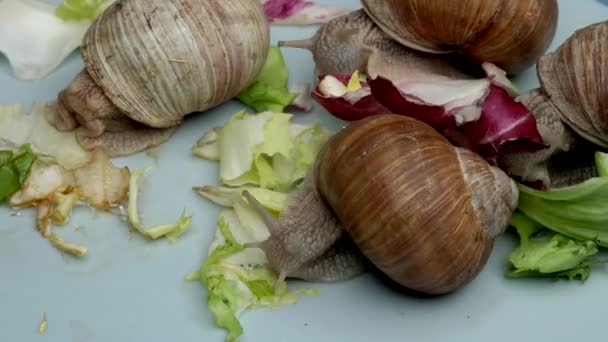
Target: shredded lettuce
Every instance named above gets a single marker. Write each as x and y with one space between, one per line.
227 197
81 9
543 252
171 231
267 150
206 147
14 170
579 211
269 91
235 286
561 229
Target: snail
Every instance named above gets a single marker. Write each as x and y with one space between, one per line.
570 106
353 42
149 63
417 208
434 37
509 33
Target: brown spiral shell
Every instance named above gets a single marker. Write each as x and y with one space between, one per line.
575 78
159 60
421 210
509 33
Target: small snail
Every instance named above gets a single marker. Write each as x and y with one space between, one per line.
149 63
509 33
422 211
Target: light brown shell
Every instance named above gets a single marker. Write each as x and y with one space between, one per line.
575 77
509 33
159 60
421 210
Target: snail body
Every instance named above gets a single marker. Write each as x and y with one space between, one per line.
353 42
422 211
156 61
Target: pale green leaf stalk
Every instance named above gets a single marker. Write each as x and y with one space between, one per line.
171 231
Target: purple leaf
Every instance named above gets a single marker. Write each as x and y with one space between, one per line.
300 12
351 106
477 114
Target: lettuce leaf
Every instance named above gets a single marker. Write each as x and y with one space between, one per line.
227 197
544 252
171 231
560 229
269 91
267 150
14 170
235 284
247 142
81 9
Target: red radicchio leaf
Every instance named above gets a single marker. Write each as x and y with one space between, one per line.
300 12
505 125
490 125
353 106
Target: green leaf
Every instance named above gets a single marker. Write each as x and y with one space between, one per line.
171 231
269 91
227 197
81 9
580 273
23 162
261 288
5 157
9 182
14 170
543 253
601 163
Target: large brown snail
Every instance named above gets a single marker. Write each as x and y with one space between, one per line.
149 63
510 34
422 211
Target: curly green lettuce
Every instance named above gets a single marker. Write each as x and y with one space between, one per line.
561 229
269 91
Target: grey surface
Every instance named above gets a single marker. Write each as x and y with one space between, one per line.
130 288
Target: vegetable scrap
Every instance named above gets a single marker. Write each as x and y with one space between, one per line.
171 231
43 325
14 170
347 97
81 9
266 155
561 229
479 114
300 12
269 91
